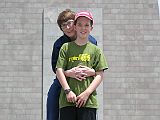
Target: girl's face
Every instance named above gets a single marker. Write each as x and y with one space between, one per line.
68 28
83 27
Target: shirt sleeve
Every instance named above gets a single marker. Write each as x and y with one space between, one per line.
62 59
55 54
100 62
92 40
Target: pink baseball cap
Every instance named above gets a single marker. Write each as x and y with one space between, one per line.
84 14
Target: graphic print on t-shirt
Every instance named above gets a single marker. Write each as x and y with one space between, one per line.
81 57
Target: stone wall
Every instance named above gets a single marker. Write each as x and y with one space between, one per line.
131 44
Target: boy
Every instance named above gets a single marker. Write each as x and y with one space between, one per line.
65 22
78 98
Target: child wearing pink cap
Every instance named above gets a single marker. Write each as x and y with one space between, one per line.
78 98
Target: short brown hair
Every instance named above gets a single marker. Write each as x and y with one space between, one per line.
64 16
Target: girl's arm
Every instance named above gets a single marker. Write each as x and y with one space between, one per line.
80 72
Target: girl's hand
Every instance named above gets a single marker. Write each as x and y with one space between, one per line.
80 72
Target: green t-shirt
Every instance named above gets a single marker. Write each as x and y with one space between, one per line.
72 55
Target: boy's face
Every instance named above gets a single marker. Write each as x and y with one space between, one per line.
68 28
83 27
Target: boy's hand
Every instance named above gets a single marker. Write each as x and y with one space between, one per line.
71 97
82 99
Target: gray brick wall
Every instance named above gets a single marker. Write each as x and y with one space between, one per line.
21 59
131 45
132 88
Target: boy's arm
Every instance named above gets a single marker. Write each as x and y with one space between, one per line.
96 82
62 79
71 97
82 98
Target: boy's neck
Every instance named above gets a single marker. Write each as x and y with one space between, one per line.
81 42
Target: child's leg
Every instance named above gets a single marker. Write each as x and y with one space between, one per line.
53 101
86 113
